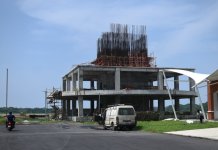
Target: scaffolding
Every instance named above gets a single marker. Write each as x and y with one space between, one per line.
54 97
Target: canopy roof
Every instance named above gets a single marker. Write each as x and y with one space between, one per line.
197 77
213 76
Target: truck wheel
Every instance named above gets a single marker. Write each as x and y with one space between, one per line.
130 128
113 127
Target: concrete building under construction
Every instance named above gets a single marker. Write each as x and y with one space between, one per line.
122 73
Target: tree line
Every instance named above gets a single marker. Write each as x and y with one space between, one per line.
183 108
24 110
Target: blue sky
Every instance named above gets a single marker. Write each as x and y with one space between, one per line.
41 40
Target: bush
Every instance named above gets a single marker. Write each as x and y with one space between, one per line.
147 116
186 113
23 114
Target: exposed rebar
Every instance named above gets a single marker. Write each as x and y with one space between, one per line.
123 46
123 41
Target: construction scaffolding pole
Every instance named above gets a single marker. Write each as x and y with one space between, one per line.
168 90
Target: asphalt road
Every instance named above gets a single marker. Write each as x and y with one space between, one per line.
66 136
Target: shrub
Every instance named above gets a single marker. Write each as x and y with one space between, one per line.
147 116
23 114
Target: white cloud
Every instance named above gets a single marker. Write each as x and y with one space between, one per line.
193 35
77 14
178 26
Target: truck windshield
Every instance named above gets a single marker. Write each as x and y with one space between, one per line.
126 111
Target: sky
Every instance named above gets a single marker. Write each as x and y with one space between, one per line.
41 40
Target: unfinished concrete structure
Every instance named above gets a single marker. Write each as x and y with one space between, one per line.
126 85
122 73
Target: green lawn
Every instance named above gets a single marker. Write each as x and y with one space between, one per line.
148 126
167 126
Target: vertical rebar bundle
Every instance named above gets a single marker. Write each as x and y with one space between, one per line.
123 41
123 46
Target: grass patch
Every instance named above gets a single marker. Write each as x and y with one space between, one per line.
2 120
89 123
167 126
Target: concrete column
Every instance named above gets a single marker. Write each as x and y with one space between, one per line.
80 79
151 103
117 79
177 108
80 106
161 107
176 87
64 84
92 106
97 105
73 77
117 99
192 99
73 107
192 106
63 109
160 81
147 101
99 84
80 87
176 82
92 85
68 108
117 84
68 84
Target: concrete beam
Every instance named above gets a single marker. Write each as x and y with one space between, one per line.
184 94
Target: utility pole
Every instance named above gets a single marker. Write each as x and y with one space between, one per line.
6 101
45 101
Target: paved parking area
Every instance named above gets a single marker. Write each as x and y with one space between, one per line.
68 136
